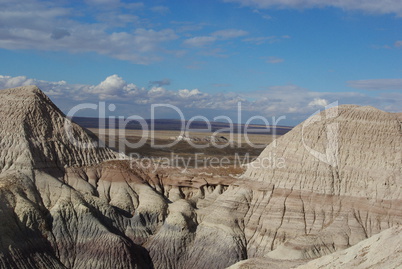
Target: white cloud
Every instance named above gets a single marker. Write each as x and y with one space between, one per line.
376 84
318 102
45 26
112 18
12 82
185 93
111 85
157 92
398 43
202 41
291 100
368 6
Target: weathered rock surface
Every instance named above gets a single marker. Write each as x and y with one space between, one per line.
355 151
46 222
320 204
330 183
382 250
35 134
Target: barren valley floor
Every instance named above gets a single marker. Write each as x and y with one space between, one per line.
239 148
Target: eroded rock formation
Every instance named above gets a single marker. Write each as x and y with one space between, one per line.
65 202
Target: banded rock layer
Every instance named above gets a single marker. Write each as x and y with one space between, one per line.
346 150
340 184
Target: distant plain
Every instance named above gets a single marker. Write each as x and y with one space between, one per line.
157 146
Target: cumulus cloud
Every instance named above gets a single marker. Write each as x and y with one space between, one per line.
49 86
368 6
376 84
185 93
296 102
318 102
111 86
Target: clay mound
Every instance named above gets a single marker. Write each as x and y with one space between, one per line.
36 134
345 150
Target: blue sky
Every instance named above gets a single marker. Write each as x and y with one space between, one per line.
277 57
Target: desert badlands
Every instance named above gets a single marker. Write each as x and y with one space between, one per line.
65 202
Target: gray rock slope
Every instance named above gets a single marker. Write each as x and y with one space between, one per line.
65 205
36 134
